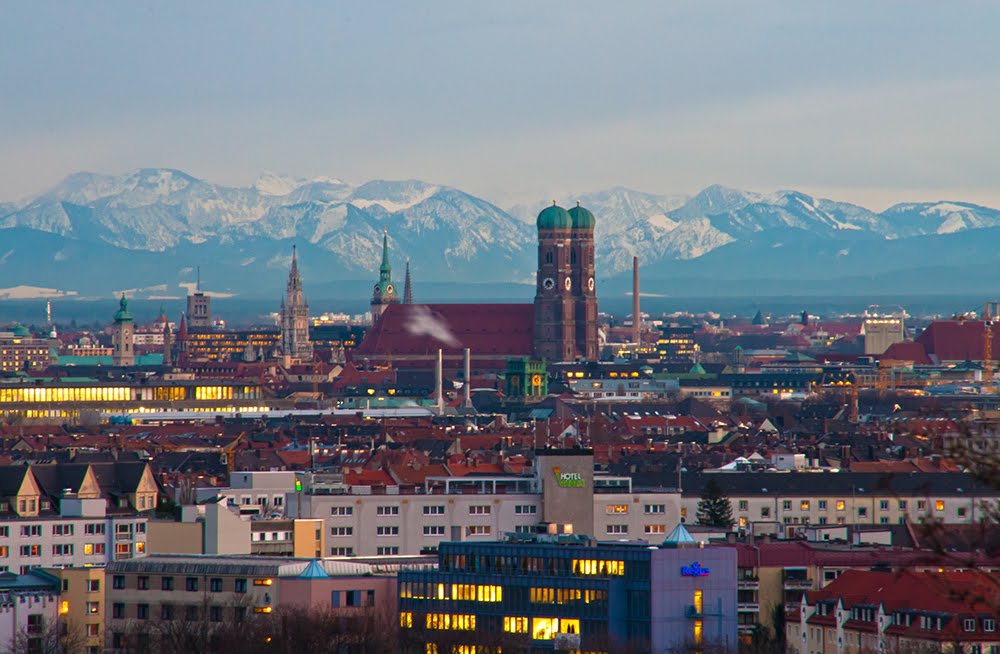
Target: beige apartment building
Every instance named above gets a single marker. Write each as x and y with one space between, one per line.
365 521
787 502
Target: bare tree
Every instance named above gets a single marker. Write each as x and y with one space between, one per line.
48 637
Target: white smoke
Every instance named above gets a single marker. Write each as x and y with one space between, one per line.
424 323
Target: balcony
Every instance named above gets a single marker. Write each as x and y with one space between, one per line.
748 584
748 607
799 583
125 536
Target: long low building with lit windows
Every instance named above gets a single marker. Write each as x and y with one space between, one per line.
68 398
568 592
413 519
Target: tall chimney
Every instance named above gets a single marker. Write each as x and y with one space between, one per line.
636 316
468 378
439 383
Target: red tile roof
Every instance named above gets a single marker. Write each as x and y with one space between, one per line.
421 329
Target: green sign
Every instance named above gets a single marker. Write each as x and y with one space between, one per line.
568 479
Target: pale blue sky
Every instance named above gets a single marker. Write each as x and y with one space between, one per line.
867 101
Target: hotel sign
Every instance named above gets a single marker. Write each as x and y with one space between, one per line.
694 570
568 479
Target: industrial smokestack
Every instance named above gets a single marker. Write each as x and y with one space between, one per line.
636 319
439 383
468 378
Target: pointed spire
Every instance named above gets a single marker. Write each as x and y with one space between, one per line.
407 286
385 251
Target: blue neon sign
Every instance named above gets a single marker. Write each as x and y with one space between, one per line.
694 570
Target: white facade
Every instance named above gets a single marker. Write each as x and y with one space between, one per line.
373 525
27 543
26 611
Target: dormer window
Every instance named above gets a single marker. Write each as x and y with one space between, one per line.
969 624
989 624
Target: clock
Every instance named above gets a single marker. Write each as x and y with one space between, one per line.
536 380
377 288
548 283
590 283
568 284
388 289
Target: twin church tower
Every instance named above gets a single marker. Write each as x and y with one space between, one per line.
565 308
566 295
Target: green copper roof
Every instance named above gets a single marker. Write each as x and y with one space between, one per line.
554 217
385 267
122 315
582 218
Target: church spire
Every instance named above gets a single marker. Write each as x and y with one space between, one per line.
407 286
385 267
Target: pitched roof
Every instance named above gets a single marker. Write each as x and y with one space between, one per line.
421 329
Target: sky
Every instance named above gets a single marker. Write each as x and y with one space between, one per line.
870 102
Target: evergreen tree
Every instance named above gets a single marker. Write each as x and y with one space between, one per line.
714 509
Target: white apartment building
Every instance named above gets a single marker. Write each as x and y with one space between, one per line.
58 515
365 521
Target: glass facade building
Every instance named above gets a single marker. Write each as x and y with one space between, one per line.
554 593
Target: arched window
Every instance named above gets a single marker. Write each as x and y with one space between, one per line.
548 257
572 256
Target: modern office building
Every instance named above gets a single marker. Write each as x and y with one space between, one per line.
676 345
19 350
64 399
881 330
569 592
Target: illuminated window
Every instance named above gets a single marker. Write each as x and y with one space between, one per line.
939 505
655 529
451 622
591 567
614 509
547 628
542 595
698 633
515 625
804 505
698 601
489 593
841 505
406 620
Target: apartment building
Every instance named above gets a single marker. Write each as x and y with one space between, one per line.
55 515
777 574
785 503
29 611
146 593
81 604
370 521
870 611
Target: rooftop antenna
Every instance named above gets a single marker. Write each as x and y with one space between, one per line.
197 284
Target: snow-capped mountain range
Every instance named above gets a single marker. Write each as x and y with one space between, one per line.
166 218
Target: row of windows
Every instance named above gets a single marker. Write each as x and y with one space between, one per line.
215 584
435 509
503 564
458 592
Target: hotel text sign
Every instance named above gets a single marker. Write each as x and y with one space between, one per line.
568 479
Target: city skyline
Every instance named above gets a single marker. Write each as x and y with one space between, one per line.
876 106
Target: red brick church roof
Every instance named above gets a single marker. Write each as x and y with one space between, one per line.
421 329
946 340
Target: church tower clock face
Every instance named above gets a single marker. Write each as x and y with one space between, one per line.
548 283
590 284
388 289
568 284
